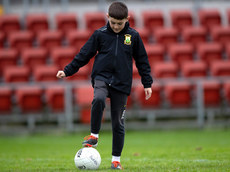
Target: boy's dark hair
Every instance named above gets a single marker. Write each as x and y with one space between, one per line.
118 10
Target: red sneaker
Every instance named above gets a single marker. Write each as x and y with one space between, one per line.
90 141
116 165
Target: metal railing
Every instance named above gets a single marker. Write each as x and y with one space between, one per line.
197 110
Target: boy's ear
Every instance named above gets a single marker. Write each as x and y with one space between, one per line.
107 15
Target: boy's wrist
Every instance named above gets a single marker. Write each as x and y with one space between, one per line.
66 72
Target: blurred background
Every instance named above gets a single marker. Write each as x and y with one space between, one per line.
187 42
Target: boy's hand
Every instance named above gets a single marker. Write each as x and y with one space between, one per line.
60 74
148 93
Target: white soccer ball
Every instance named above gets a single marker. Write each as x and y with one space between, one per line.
87 158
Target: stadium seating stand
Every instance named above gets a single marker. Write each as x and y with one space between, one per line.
220 68
6 100
83 98
94 20
180 53
156 53
33 57
194 69
181 19
209 52
10 23
45 73
37 22
66 22
63 56
50 39
55 98
164 70
21 40
2 39
29 99
166 36
209 18
8 57
16 74
77 38
211 90
152 19
178 94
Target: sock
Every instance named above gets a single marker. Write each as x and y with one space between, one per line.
95 135
116 158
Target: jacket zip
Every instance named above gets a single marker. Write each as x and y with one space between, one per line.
114 61
116 46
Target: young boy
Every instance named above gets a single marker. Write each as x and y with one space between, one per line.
115 45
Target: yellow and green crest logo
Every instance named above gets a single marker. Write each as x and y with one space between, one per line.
127 39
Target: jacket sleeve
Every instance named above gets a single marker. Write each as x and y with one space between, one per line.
88 51
142 63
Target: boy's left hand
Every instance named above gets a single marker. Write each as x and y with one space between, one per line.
148 93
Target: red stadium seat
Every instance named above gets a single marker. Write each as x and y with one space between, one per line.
94 20
209 18
37 22
154 101
228 51
84 102
78 38
9 23
21 40
132 19
8 57
211 91
55 98
2 39
33 57
5 99
226 90
181 19
164 70
228 15
166 36
152 19
221 34
178 94
144 34
63 56
50 39
16 74
194 35
29 98
194 69
45 73
180 53
155 53
220 68
209 52
66 22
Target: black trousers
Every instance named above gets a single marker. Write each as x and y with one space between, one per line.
118 102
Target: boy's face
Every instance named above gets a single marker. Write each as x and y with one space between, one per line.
117 25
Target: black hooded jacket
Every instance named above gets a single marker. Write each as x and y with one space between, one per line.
114 55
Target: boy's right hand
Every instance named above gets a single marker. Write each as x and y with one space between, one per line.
60 74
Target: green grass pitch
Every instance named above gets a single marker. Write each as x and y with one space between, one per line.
169 151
